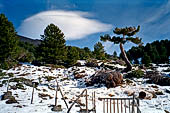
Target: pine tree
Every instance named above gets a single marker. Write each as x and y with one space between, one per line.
99 52
115 54
8 42
146 59
152 52
72 55
129 32
52 49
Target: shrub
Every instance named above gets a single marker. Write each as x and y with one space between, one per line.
135 74
1 74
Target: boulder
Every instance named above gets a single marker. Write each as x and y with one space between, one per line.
92 63
78 76
57 108
167 91
11 100
157 78
6 95
142 94
153 94
108 78
129 92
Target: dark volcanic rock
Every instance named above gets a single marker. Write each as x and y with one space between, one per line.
11 101
6 95
57 108
142 94
78 76
108 78
92 63
157 78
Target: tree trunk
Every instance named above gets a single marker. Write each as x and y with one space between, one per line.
129 65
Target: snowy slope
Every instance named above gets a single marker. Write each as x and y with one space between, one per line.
71 89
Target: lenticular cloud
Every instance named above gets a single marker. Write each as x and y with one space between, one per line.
74 25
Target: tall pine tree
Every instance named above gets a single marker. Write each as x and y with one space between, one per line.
127 34
72 55
146 59
52 49
99 52
8 43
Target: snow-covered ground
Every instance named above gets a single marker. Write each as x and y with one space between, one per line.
72 88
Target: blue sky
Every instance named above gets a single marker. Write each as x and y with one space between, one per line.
84 21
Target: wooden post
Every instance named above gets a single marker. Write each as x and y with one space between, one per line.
117 106
103 105
138 111
133 102
8 85
114 105
110 105
121 107
68 111
86 102
129 105
32 93
56 94
125 105
62 95
137 101
107 106
94 102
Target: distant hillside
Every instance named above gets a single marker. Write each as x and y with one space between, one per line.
35 42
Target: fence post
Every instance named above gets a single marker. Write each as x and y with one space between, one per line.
32 93
63 97
56 94
103 105
58 88
68 111
94 101
138 111
8 85
86 102
133 102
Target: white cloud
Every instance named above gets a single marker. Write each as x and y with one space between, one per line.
157 26
161 11
75 25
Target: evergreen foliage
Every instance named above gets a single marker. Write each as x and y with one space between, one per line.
127 34
99 52
146 59
155 52
84 53
8 43
135 74
52 49
115 54
26 52
72 55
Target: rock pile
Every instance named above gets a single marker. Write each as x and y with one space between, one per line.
8 95
108 78
157 78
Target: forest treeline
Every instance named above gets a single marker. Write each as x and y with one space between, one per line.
155 52
53 49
